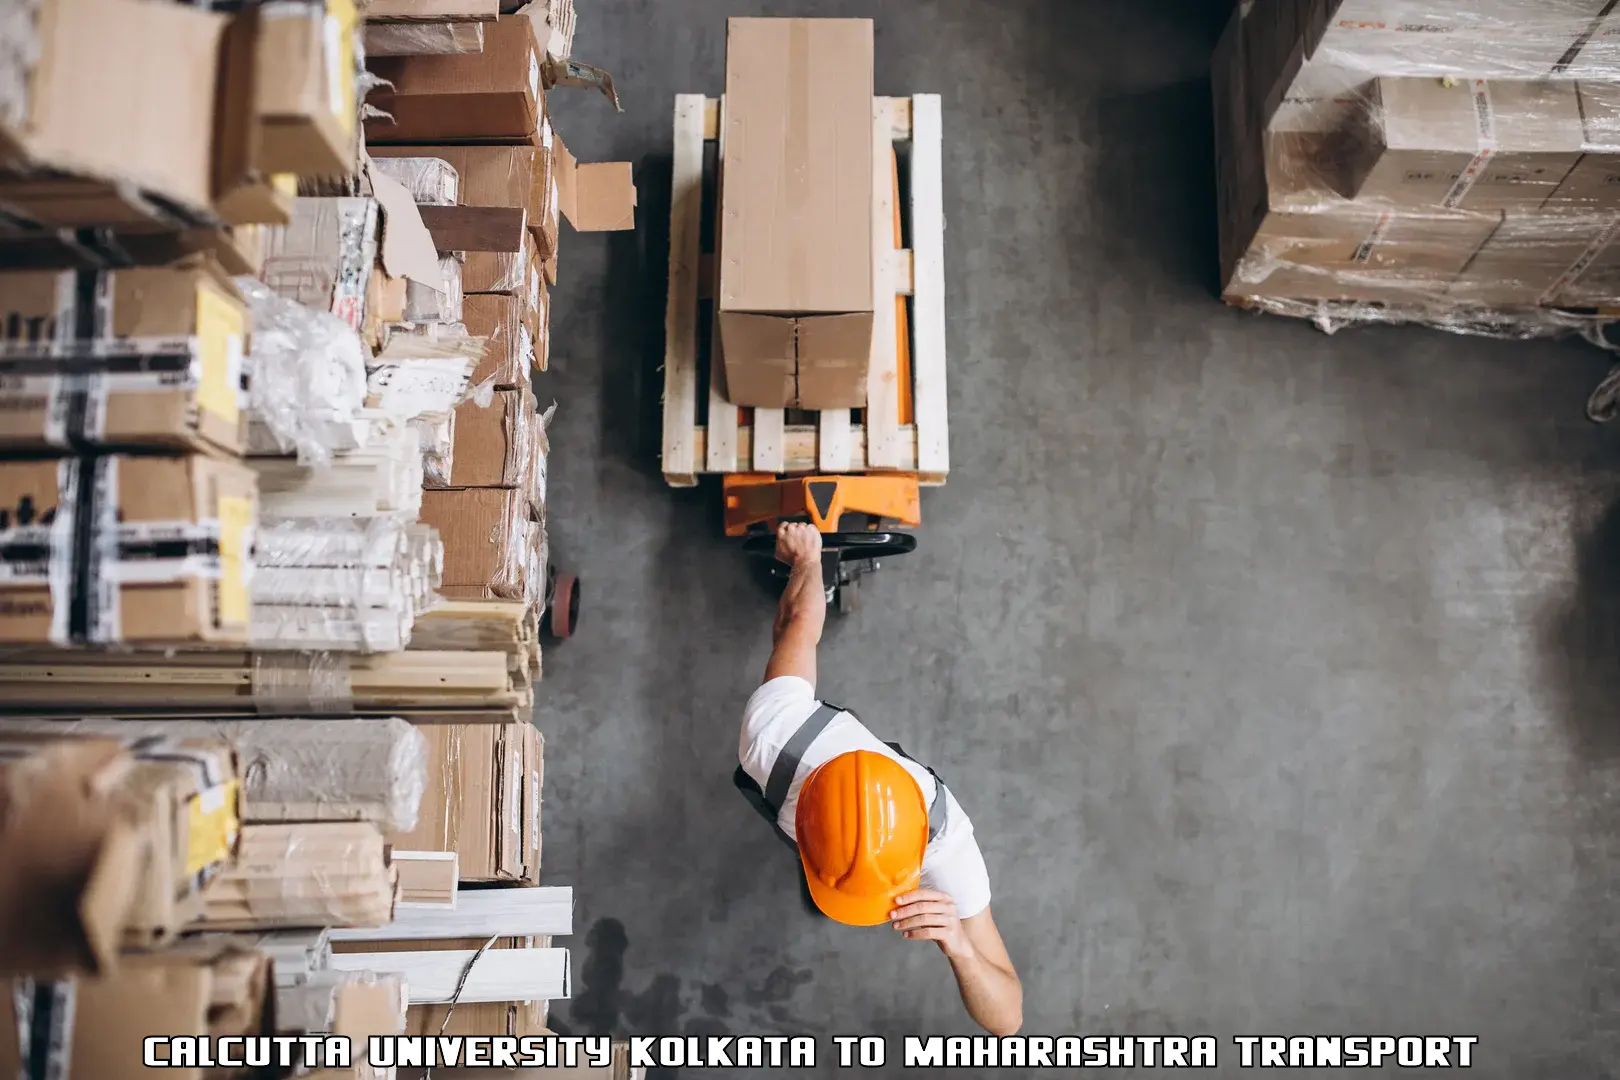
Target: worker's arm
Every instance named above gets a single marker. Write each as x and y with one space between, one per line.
803 611
984 972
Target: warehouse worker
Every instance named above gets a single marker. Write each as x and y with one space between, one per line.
879 837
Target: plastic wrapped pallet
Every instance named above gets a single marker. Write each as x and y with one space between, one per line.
306 874
295 770
1424 164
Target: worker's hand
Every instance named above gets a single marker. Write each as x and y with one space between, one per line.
798 544
930 915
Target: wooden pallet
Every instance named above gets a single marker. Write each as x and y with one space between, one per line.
702 431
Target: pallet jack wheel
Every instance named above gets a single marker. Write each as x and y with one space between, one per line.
562 606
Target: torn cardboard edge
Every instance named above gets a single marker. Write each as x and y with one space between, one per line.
559 71
599 197
407 247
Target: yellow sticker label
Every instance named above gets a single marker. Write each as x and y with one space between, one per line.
341 72
235 523
213 827
220 331
285 183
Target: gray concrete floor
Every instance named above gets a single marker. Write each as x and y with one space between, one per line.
1277 670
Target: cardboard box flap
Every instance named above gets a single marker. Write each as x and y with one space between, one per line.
595 197
407 247
559 71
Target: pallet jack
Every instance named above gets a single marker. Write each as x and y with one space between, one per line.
874 506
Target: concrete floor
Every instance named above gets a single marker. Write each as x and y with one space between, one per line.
1278 671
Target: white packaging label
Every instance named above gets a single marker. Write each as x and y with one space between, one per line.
534 75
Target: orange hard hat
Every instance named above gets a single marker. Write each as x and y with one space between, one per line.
862 827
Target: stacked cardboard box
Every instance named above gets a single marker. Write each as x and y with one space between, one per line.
136 530
483 120
215 120
1439 162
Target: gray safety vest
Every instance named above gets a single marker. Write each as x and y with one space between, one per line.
769 802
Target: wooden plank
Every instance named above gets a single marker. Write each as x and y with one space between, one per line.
833 451
768 428
681 311
722 443
498 975
476 228
427 879
900 272
711 118
479 913
931 408
883 443
801 451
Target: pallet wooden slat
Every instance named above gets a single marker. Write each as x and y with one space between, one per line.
835 452
883 376
928 286
722 442
680 316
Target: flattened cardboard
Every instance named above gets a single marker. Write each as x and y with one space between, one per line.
407 248
493 96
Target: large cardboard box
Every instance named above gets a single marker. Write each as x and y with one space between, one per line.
797 212
1352 253
166 373
1594 183
115 90
119 549
1533 259
306 81
1470 144
509 343
208 987
492 96
474 800
486 541
106 846
493 444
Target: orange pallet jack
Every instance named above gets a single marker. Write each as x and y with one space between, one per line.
874 505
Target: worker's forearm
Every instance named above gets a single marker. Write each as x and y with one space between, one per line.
993 996
804 604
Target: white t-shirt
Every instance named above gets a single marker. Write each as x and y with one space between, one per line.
952 863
